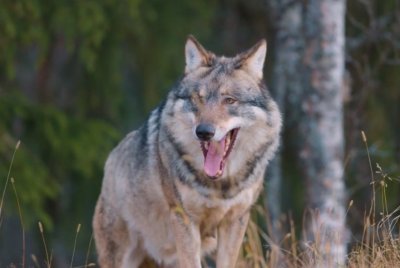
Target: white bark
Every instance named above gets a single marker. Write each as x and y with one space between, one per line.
287 24
309 70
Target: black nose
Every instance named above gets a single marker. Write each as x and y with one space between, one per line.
205 132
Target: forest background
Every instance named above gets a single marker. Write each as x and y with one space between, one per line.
76 76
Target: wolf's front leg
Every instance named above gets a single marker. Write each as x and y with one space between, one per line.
187 239
230 237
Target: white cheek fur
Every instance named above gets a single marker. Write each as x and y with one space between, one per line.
227 126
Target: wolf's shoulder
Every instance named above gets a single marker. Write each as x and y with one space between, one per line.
126 144
130 150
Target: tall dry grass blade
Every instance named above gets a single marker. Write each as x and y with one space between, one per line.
78 228
293 246
35 261
22 222
88 250
372 210
349 206
48 259
8 177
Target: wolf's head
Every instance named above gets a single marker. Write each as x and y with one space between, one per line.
221 114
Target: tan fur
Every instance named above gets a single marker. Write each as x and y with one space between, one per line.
157 205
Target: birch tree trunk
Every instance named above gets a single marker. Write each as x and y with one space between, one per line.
287 24
309 68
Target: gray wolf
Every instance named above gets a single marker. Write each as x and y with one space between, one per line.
182 185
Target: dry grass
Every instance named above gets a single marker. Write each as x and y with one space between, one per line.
48 262
259 251
379 246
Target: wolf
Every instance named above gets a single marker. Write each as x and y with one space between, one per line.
181 186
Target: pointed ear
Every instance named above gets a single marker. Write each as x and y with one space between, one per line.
195 55
253 59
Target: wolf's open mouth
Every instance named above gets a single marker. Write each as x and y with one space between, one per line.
216 152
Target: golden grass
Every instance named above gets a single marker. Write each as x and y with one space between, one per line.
291 253
379 246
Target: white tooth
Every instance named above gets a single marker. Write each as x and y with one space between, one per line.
227 142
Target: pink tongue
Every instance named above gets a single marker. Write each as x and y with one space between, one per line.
213 159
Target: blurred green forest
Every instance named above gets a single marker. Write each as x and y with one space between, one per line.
76 76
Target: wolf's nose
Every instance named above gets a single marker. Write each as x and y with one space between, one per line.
205 132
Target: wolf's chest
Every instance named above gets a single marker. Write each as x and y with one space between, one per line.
209 212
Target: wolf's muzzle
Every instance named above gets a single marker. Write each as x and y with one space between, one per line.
205 132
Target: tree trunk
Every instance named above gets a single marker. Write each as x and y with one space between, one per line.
309 69
286 23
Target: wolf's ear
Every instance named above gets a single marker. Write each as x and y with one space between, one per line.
253 59
195 55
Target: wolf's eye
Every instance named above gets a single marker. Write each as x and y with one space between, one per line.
184 97
229 100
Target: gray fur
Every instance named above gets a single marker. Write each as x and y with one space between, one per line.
156 200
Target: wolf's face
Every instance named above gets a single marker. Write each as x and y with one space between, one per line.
221 111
